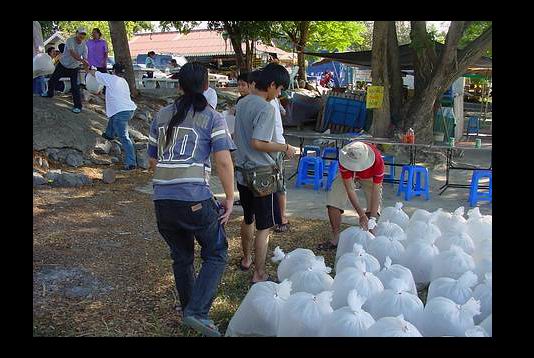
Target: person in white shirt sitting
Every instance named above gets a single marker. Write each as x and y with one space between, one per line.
119 108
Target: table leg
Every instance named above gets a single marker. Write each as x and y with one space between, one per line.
301 145
447 170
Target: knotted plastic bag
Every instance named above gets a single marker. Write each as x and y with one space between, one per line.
395 301
358 254
314 279
354 278
348 321
478 225
452 263
486 324
384 246
304 314
395 214
392 327
463 240
92 84
396 271
476 331
458 290
421 231
349 237
421 215
42 65
259 312
296 260
419 257
484 293
443 317
389 229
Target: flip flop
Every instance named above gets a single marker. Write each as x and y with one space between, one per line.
243 267
326 246
269 278
205 326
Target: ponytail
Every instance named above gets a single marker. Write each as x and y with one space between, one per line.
183 105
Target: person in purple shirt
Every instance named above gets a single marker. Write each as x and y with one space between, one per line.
97 50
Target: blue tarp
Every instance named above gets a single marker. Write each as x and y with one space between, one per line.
342 74
345 111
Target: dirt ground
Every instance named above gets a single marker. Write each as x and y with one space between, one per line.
102 240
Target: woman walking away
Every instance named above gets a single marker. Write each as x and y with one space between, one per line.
182 137
119 108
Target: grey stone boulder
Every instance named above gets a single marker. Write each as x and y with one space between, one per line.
142 159
103 147
114 160
38 179
141 146
74 159
53 174
115 150
71 180
108 176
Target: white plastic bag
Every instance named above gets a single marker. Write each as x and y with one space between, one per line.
478 225
457 223
395 301
486 324
476 331
42 65
354 278
396 271
452 263
303 314
314 279
348 321
389 229
419 257
463 240
358 254
296 260
384 246
349 237
442 317
457 290
92 84
392 327
421 231
259 312
483 257
395 214
484 293
421 215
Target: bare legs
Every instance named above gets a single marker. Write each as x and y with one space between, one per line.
260 243
334 214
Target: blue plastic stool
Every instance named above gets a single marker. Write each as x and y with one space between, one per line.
315 166
331 172
473 126
475 195
408 188
311 148
330 153
389 159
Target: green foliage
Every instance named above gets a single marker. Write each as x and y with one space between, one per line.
336 35
435 34
474 30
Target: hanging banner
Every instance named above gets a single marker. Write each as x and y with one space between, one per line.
375 96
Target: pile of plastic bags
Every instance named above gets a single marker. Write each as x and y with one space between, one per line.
374 290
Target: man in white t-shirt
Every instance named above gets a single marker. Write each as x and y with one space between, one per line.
282 224
119 108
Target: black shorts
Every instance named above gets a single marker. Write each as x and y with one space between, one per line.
259 209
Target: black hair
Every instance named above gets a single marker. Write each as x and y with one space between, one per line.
174 61
254 76
151 53
61 47
193 78
272 73
243 76
118 68
50 49
98 31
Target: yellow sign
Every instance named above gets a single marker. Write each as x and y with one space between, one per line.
375 96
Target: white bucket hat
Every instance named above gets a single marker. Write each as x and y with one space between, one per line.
356 156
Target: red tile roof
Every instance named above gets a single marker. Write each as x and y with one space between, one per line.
195 43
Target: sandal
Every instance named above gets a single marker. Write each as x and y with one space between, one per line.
205 326
326 246
282 227
243 267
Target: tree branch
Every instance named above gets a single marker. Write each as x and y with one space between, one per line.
475 49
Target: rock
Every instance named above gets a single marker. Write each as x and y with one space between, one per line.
45 164
77 292
71 180
53 174
52 153
74 159
108 176
142 116
102 147
137 136
114 160
142 159
141 146
115 150
38 179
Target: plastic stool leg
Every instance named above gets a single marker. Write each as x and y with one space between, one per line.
409 188
427 185
401 182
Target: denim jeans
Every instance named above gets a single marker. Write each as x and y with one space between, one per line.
118 124
39 85
72 73
180 222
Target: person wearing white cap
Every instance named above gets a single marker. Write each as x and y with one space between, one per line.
74 55
362 163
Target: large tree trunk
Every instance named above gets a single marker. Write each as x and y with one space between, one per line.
436 75
304 27
395 76
236 41
379 74
121 50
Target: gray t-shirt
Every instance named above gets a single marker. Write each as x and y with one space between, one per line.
66 59
254 120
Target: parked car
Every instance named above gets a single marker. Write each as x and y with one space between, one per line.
218 80
161 60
